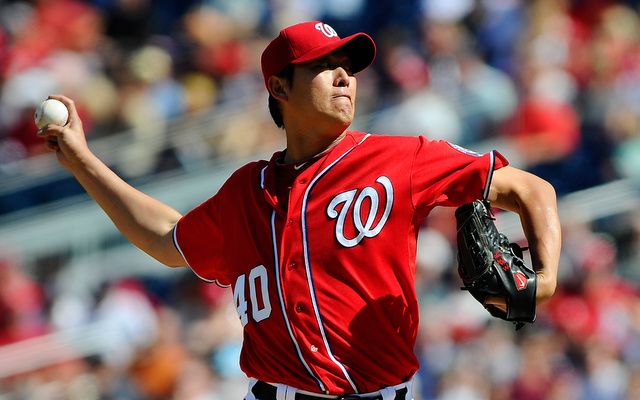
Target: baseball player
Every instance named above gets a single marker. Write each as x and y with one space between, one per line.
318 244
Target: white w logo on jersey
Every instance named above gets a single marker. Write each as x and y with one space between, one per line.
364 228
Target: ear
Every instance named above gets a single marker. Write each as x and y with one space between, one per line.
278 87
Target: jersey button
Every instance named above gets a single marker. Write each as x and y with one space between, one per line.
291 266
300 308
289 222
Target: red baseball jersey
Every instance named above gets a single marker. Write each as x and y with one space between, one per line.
321 259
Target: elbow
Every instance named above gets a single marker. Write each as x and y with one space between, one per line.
517 190
548 191
545 289
538 192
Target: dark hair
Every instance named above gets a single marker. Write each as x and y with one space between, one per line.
274 107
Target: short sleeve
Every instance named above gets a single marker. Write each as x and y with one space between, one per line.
198 236
445 174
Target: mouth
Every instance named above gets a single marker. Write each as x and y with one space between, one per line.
342 96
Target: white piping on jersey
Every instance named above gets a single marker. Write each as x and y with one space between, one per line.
307 263
492 166
262 177
281 298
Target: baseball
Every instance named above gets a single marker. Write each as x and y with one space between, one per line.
51 111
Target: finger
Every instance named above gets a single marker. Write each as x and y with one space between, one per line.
49 130
51 144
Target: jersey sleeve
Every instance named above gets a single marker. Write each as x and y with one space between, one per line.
207 235
444 174
198 236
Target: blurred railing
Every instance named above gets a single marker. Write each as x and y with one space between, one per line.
55 348
195 141
585 206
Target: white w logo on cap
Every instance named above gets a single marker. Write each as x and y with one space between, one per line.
326 29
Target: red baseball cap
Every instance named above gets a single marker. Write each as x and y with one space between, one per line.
310 40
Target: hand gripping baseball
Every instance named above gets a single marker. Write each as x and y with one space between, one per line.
68 141
491 266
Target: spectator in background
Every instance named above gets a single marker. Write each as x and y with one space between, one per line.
50 49
22 302
545 128
415 108
616 83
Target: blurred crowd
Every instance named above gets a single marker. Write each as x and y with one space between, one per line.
552 84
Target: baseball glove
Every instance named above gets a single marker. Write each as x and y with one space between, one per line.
489 264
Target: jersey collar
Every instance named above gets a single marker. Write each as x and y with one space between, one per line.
268 175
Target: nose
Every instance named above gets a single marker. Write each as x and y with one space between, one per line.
341 77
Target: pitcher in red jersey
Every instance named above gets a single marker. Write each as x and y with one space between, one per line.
318 243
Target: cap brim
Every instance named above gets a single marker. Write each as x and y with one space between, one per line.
359 47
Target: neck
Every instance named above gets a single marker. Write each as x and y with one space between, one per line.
302 147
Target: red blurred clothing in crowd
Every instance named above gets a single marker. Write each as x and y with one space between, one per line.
21 304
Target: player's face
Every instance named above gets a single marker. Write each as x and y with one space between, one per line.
323 91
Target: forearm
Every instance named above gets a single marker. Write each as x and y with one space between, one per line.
541 226
144 221
534 200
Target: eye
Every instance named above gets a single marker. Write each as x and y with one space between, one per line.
328 64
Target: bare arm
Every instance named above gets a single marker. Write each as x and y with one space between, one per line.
534 200
143 220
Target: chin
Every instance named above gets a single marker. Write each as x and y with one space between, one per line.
345 123
345 117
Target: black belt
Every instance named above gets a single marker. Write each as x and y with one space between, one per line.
265 391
